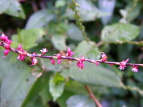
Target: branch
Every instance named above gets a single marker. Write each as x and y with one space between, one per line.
22 54
92 96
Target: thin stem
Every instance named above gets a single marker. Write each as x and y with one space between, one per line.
99 43
93 96
69 58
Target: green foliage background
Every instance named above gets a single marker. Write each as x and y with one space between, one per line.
54 24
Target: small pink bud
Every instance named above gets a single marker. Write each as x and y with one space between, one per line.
59 58
44 51
9 42
104 57
80 63
52 61
69 52
96 63
59 61
135 68
22 53
4 37
6 52
7 46
34 61
123 64
19 47
21 57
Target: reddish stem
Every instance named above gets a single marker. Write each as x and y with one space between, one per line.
69 58
92 96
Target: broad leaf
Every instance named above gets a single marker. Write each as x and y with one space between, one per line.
135 11
59 41
119 32
16 83
40 19
87 49
80 101
27 38
74 33
95 75
42 84
56 85
62 100
60 3
4 4
15 9
50 67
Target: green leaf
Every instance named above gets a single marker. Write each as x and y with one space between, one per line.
27 38
87 11
119 32
59 41
74 33
4 4
95 75
56 85
77 85
50 67
45 95
87 49
60 3
40 19
62 100
15 9
42 84
134 12
16 83
80 101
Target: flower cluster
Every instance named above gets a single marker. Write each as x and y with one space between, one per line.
22 54
80 63
123 64
6 42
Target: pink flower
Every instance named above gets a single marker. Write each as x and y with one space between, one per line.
34 60
59 58
52 61
6 52
22 53
7 43
104 57
44 51
19 48
96 63
4 37
7 46
135 68
123 64
80 63
69 52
